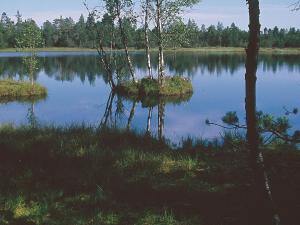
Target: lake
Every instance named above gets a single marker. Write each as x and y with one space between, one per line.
78 92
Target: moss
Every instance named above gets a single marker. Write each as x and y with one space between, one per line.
171 86
11 90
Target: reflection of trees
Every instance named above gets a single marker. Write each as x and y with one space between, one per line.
88 67
161 118
149 118
114 116
32 118
131 115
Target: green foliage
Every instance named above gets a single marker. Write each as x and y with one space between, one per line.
266 124
65 32
30 36
230 118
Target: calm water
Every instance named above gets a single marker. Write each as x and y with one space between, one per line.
78 92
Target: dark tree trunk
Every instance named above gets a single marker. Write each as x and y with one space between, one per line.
264 208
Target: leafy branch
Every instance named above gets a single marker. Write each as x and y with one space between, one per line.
277 128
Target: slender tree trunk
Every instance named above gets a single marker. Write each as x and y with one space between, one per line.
147 45
161 63
106 63
266 214
124 40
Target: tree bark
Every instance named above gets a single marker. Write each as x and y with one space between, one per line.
161 63
267 213
124 40
105 62
147 45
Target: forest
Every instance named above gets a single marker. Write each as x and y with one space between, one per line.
66 32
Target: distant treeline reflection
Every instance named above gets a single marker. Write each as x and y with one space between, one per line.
88 67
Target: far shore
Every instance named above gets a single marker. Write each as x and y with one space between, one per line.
237 50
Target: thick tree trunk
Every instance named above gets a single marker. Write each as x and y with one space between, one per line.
147 45
124 40
266 213
161 63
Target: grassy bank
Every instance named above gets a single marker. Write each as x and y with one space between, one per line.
211 50
11 90
78 175
287 51
54 49
172 86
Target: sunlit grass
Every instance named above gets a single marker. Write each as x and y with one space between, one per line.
20 90
171 86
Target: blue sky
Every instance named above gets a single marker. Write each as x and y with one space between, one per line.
273 12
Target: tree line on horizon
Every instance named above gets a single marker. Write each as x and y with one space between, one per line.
65 32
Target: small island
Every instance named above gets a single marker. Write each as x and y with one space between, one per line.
170 86
11 90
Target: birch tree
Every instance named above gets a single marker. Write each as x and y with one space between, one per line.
146 9
121 10
29 39
166 12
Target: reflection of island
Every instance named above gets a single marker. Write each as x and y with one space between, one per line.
115 109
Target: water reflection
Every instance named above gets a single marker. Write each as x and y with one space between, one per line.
114 114
88 67
78 92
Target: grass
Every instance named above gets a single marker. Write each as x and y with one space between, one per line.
288 51
220 50
172 86
11 90
53 49
81 175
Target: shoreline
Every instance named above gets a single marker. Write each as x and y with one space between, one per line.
237 50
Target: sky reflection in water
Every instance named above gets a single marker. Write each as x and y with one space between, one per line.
78 93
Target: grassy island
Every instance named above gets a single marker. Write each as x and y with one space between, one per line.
172 86
11 90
